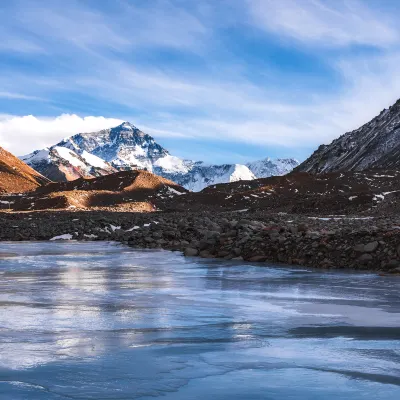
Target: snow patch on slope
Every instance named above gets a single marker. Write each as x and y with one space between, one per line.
70 156
93 160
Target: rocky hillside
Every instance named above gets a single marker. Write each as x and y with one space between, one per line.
374 145
367 193
125 147
135 190
16 176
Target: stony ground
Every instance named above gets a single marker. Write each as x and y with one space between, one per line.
363 243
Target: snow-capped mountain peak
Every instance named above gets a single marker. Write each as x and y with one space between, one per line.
123 146
127 126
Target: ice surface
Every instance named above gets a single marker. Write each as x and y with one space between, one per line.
95 320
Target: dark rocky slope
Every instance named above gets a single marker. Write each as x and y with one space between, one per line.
374 145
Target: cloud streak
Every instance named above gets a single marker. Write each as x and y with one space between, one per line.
10 95
327 23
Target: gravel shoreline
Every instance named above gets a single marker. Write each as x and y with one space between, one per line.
339 242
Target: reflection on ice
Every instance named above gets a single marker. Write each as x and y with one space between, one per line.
98 320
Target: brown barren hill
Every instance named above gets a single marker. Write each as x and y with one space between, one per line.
16 176
134 190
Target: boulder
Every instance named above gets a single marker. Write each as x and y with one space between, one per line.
359 248
392 264
205 254
257 258
302 228
365 258
190 252
371 247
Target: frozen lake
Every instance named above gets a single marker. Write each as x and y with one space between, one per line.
103 321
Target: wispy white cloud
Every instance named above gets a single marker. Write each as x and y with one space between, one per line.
124 27
169 89
369 85
327 23
11 44
20 96
22 134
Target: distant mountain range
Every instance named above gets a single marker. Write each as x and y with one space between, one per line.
374 145
125 147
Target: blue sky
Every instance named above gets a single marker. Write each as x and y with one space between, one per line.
216 80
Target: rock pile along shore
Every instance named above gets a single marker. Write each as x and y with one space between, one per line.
337 242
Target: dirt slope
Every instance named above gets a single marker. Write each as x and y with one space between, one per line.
16 176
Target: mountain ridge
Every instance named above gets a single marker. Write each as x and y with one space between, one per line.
126 147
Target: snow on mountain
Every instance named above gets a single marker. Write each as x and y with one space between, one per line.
60 163
268 167
70 156
125 147
94 160
374 145
171 164
201 175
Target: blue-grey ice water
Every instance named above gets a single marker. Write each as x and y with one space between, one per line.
102 321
